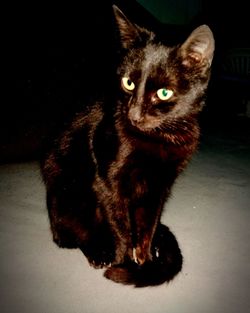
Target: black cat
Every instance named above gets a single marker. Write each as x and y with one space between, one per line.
109 175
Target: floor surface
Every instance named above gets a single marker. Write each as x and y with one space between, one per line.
209 213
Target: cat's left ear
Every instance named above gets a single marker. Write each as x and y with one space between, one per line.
128 31
198 49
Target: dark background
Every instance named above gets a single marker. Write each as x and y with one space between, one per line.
60 56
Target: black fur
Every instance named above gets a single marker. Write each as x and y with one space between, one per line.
110 173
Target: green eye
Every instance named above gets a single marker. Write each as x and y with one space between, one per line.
128 84
164 93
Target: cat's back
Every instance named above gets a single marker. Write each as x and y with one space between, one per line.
71 151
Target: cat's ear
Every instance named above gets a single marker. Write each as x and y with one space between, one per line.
198 49
128 31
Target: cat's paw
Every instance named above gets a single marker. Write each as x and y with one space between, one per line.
101 259
98 256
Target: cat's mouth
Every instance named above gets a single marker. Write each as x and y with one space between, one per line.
146 124
144 128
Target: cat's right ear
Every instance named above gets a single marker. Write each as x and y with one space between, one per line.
128 31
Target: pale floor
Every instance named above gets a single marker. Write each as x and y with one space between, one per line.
209 212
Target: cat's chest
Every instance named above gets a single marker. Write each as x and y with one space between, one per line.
139 159
121 155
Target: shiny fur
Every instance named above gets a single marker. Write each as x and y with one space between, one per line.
109 174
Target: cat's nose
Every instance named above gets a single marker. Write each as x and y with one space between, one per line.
135 115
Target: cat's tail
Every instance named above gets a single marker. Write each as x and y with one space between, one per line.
165 265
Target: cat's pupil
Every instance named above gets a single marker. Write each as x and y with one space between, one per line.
164 92
129 82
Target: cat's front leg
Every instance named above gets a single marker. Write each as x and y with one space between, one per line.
146 221
100 246
141 253
123 247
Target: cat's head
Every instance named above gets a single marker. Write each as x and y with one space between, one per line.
161 85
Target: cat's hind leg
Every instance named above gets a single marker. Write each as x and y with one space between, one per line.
77 224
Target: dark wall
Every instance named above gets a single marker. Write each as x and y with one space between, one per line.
230 86
57 57
60 56
54 55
